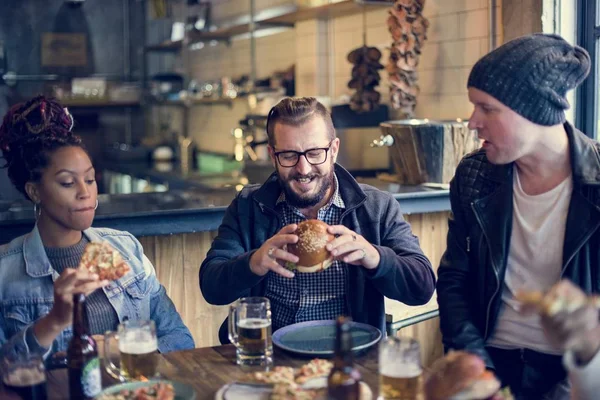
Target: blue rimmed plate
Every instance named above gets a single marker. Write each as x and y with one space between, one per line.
316 338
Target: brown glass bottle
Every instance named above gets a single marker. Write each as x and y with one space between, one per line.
82 356
343 382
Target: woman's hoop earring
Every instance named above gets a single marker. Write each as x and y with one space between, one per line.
37 212
96 205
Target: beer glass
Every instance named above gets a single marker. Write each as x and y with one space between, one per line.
25 375
250 331
399 369
138 351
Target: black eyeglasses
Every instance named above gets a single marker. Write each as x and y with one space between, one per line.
290 158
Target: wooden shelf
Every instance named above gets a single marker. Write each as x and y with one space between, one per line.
333 10
166 47
194 102
284 19
100 103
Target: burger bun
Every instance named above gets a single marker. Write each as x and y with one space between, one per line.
310 248
460 376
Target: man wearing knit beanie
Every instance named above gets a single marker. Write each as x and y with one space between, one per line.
525 214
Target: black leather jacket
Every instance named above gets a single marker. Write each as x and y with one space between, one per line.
472 269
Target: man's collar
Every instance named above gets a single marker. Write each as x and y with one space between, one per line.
585 159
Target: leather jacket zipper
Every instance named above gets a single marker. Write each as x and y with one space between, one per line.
487 317
575 252
468 244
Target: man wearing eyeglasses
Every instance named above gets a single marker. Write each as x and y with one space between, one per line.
375 252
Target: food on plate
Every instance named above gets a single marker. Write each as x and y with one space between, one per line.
316 368
157 391
282 391
276 375
555 300
462 376
102 259
310 248
288 382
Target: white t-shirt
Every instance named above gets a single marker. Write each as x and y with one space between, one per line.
534 263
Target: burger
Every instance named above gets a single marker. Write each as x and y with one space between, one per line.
310 248
462 376
563 296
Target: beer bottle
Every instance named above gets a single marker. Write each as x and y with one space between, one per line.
82 356
343 382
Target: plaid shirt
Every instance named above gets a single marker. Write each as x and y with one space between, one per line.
309 296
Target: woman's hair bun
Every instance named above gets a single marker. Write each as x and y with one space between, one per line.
39 119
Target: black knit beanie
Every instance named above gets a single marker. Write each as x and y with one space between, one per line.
531 75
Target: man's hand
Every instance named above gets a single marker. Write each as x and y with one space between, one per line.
573 328
271 255
352 248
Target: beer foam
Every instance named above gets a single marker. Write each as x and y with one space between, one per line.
400 370
137 347
253 323
137 342
24 377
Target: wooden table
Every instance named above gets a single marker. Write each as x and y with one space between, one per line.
208 369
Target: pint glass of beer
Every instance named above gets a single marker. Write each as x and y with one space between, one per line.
138 350
250 331
399 369
24 375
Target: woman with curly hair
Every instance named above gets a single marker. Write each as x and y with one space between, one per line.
48 164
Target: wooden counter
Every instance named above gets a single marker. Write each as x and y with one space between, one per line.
177 260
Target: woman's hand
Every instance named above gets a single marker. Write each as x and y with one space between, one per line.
71 281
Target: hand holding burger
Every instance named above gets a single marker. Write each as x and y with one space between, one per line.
271 255
462 376
570 318
310 248
352 248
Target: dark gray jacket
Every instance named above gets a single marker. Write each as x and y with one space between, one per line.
404 273
472 269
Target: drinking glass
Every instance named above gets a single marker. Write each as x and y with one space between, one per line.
138 351
399 369
250 331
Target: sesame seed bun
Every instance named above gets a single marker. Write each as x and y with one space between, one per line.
310 248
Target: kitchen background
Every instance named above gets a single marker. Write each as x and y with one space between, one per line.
171 96
153 98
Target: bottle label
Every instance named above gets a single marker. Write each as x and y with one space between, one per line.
91 379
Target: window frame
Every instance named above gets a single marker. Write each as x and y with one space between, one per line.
588 37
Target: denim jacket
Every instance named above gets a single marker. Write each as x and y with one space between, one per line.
27 294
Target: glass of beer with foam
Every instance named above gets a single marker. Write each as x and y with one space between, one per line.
24 375
399 369
250 331
138 351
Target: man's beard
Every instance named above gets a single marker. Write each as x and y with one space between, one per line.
302 200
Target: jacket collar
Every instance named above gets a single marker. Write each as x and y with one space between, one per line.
36 260
351 192
585 160
37 263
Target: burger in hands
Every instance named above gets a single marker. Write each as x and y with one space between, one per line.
310 248
462 376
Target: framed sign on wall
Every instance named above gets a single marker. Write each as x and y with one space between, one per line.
64 50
